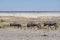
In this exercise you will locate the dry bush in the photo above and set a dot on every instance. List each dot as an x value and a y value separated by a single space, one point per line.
4 24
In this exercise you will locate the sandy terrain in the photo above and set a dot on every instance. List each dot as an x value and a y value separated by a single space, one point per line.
28 34
18 34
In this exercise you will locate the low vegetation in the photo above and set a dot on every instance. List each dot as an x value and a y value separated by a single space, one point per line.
6 20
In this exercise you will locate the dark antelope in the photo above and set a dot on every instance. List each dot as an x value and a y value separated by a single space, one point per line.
50 23
32 24
15 24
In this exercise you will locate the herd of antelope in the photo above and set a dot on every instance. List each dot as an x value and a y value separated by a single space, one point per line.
34 24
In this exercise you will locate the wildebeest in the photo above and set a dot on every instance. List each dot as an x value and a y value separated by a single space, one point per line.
51 23
32 24
15 24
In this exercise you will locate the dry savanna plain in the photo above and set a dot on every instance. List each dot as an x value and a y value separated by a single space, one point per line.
8 32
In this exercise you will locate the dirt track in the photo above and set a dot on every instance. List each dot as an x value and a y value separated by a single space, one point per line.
18 34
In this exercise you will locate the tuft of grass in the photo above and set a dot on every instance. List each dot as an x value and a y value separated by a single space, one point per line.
4 24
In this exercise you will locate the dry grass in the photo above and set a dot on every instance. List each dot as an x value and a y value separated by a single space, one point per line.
23 21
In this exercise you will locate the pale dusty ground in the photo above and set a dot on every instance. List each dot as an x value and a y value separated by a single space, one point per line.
19 34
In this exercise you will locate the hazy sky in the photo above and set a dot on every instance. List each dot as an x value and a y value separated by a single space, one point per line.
29 5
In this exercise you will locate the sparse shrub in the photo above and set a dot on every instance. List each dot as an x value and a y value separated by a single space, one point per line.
4 24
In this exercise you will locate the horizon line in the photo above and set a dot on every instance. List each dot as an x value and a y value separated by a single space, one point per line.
26 11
